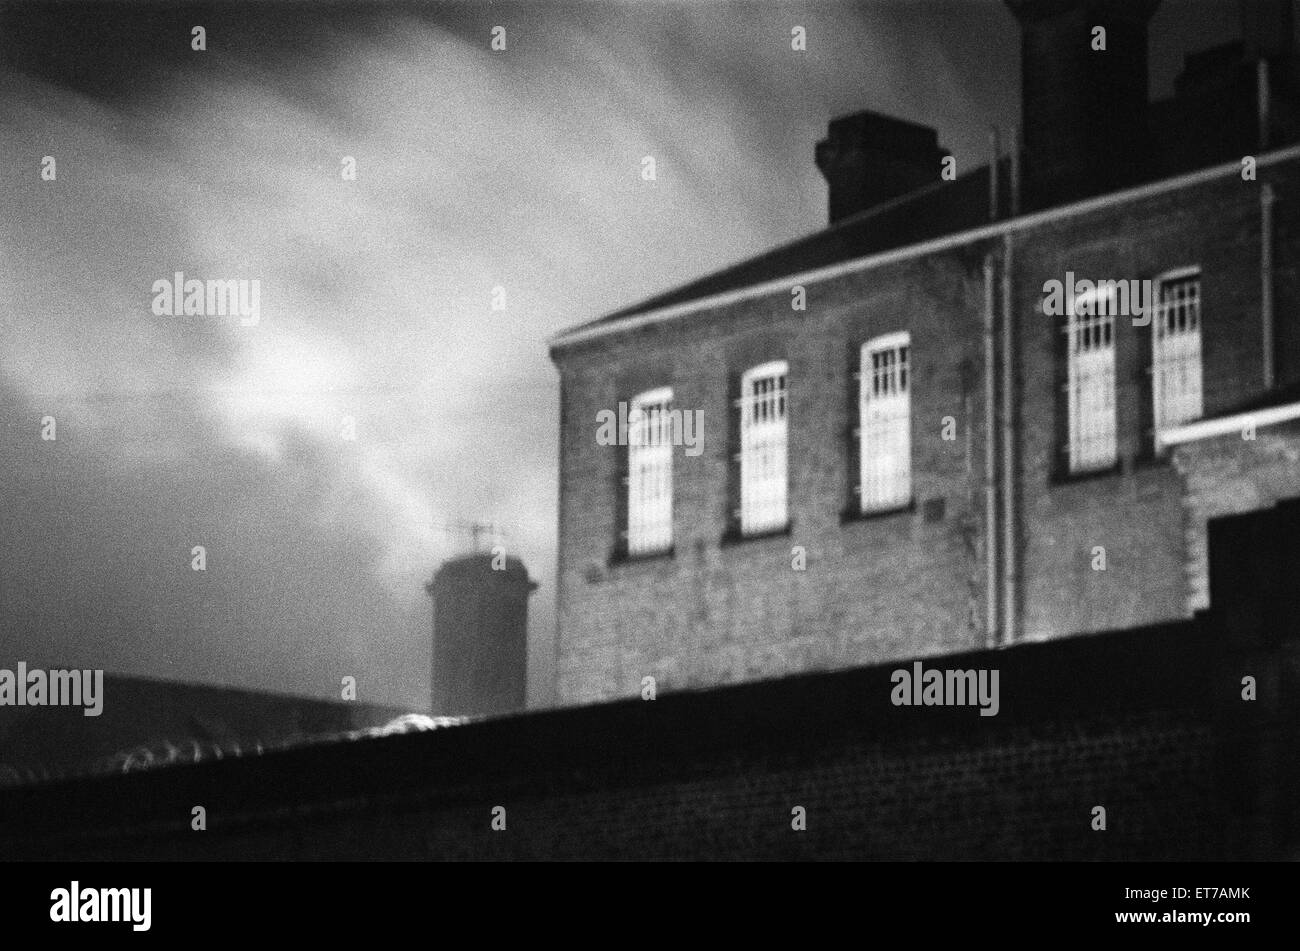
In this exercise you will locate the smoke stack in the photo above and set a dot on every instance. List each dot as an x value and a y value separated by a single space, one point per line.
868 159
480 635
1084 110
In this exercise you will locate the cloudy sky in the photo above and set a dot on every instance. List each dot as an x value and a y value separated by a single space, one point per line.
475 169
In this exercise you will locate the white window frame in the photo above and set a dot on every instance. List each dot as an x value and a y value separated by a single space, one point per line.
650 473
1093 437
764 407
885 423
1177 395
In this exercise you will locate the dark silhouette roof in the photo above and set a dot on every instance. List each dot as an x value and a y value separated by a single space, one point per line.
925 214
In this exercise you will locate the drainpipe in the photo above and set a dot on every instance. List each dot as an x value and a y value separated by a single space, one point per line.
1266 199
1013 147
995 147
969 535
1011 569
1261 101
990 464
1009 618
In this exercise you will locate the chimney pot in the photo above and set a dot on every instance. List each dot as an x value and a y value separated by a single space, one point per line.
869 159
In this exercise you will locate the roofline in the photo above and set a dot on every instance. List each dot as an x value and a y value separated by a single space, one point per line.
594 329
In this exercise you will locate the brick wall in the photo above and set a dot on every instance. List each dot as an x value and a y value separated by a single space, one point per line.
1228 475
1149 724
902 584
718 612
1133 512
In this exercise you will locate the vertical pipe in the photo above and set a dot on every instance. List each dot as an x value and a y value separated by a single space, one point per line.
1266 199
990 463
1262 102
1013 150
1010 566
969 521
995 147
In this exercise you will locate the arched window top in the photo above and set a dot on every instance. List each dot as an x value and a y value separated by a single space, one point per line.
884 370
1178 274
656 397
1094 302
763 393
765 370
889 341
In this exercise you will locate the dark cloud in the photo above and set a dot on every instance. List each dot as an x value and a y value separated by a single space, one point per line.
475 170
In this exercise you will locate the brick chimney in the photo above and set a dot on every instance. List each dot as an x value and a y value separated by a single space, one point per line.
869 158
1084 111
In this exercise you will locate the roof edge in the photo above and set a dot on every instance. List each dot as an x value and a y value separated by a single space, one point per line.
602 327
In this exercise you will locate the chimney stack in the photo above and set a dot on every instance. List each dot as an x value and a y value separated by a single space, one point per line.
869 159
480 635
1084 110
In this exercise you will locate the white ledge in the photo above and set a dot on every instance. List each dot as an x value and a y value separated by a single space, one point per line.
1236 423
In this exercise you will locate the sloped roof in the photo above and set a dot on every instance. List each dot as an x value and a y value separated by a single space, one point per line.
931 212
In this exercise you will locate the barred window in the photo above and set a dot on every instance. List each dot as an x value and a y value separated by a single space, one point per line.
650 473
763 481
885 423
1090 382
1176 350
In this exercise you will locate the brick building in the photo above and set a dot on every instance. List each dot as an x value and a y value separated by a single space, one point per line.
909 447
